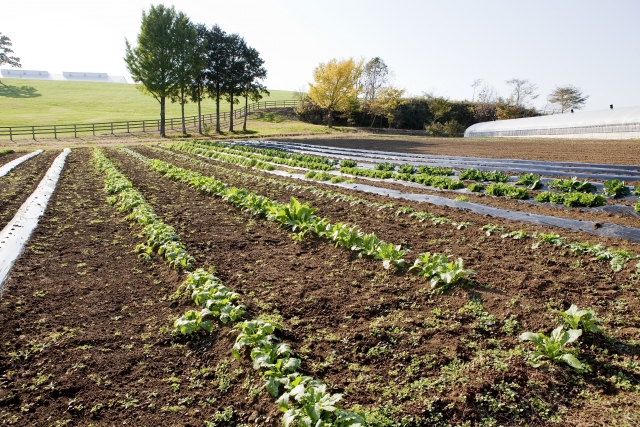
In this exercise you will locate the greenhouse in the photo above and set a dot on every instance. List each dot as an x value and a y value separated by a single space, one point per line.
612 123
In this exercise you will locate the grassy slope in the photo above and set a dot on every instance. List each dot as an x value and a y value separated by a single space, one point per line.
37 102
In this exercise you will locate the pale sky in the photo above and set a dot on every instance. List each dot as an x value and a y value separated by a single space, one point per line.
432 46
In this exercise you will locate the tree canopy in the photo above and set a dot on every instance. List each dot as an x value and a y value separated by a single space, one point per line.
335 84
5 50
567 97
152 62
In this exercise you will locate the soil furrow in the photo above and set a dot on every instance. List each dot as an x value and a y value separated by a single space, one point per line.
17 185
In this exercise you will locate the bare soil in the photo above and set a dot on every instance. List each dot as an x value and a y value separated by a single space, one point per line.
626 152
6 158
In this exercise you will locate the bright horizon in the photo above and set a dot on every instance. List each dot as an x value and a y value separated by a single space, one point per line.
440 47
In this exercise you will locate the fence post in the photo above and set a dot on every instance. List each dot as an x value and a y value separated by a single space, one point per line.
128 127
33 133
10 134
75 131
143 126
171 123
111 128
93 128
55 132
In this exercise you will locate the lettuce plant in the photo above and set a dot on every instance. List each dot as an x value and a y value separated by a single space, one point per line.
516 235
554 347
584 319
439 270
489 229
530 181
572 185
615 188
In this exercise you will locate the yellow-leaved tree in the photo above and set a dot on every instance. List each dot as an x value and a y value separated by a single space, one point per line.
335 85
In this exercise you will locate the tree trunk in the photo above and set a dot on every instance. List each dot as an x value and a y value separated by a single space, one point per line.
199 113
231 112
184 127
373 121
246 112
162 102
330 121
217 108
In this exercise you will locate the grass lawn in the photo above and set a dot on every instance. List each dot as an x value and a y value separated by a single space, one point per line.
274 123
44 102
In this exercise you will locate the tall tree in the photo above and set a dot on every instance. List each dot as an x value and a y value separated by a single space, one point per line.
216 66
253 74
152 62
5 50
236 63
189 60
200 80
335 85
375 75
567 97
523 93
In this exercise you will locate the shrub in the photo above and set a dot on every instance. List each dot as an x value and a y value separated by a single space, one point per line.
453 129
435 129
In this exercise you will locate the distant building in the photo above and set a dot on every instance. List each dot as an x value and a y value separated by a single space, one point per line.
76 76
612 123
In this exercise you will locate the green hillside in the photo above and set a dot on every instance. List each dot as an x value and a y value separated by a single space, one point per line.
44 102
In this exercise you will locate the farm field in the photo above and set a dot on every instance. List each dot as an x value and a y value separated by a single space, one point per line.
43 102
89 309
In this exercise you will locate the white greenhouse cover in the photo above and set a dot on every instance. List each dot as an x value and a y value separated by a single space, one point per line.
609 123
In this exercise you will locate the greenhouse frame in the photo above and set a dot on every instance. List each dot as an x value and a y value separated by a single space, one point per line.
613 123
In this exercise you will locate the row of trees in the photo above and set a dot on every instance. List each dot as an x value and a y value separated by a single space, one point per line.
519 103
362 94
179 60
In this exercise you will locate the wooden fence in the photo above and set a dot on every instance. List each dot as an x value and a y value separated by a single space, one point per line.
135 125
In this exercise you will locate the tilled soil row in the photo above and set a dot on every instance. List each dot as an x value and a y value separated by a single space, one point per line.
17 185
330 320
6 158
86 328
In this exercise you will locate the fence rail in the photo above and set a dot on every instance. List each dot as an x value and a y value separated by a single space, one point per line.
136 125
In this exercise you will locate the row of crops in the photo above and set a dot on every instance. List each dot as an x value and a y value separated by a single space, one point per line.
616 257
568 192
